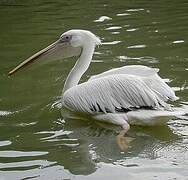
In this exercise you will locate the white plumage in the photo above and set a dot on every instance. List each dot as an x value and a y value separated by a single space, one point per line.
148 75
116 96
122 92
110 93
126 95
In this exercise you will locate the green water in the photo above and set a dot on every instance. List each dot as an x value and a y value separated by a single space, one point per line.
36 142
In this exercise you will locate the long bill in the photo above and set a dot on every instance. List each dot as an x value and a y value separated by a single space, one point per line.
34 57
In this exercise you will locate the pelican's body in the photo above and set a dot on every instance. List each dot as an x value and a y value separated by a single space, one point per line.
130 94
120 97
127 95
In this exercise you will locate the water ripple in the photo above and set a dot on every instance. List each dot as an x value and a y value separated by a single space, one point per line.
135 10
136 46
132 29
28 164
115 32
5 113
5 143
25 124
178 41
123 14
102 19
143 59
21 153
97 61
111 43
113 28
55 134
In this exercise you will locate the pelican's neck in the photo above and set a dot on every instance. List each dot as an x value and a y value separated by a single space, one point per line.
80 67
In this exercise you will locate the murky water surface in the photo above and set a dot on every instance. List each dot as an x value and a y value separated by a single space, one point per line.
36 142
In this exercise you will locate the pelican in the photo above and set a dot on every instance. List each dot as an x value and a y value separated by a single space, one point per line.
133 94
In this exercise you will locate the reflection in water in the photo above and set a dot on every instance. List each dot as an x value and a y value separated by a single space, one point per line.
90 143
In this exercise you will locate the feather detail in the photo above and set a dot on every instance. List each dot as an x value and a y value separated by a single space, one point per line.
108 93
149 76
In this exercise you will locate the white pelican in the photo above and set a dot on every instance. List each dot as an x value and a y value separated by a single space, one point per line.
127 95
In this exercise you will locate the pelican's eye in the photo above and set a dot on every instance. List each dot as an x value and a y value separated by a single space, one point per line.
65 38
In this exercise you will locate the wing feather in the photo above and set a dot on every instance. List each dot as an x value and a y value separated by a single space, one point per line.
138 70
108 93
149 76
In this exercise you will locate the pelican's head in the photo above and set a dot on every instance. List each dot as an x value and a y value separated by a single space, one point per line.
68 45
78 38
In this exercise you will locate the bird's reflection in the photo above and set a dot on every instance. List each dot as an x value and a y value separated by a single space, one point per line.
90 142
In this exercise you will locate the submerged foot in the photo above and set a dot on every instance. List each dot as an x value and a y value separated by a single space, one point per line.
122 140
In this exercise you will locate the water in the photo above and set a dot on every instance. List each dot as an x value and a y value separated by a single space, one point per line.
36 142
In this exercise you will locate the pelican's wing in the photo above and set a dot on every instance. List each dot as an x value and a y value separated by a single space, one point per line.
137 70
157 84
112 93
149 76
